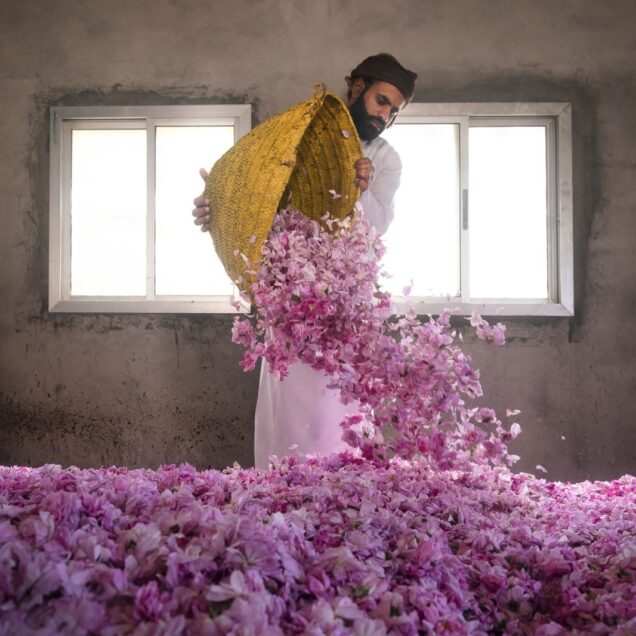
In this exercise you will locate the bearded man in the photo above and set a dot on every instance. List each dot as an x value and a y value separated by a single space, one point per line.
301 414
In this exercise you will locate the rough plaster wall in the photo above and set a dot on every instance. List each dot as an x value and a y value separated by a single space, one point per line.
145 390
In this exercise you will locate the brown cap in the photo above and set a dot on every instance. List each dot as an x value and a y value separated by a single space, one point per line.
385 68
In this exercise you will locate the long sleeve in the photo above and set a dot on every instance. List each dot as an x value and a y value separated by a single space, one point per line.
378 200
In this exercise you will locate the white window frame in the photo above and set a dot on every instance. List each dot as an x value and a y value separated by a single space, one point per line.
65 119
557 117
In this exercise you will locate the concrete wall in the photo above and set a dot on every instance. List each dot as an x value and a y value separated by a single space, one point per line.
145 390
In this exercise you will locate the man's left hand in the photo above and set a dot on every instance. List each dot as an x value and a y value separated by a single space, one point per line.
201 212
364 172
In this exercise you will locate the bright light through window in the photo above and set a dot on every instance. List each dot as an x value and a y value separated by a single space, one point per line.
508 212
186 262
423 240
108 213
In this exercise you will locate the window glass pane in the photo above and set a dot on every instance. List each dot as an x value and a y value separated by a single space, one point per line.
186 263
508 212
423 240
108 213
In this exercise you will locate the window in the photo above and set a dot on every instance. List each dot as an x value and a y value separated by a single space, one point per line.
122 182
483 215
484 211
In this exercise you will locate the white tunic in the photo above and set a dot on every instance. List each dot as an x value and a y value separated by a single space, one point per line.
300 415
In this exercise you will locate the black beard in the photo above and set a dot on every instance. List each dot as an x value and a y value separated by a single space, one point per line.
363 121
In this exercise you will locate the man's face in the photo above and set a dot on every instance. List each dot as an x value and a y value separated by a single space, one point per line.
374 107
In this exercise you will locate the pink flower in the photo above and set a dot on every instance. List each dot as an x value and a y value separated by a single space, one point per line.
235 587
148 603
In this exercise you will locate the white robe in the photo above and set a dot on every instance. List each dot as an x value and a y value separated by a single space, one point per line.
300 415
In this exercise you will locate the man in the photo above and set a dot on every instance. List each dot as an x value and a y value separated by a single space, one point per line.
300 414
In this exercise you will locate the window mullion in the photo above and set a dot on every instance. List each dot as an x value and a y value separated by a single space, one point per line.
552 215
563 194
151 162
65 217
464 203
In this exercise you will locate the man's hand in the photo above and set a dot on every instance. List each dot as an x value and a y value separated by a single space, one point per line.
364 172
201 212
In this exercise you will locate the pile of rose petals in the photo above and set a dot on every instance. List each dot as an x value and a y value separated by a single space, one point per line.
337 545
426 532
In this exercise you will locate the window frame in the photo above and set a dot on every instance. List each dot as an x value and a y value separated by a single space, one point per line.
557 117
65 119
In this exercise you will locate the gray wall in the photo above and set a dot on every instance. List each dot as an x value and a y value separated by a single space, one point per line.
145 390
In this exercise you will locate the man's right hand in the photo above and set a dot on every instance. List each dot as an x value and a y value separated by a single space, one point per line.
201 212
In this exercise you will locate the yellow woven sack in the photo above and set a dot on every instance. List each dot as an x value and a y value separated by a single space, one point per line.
294 158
